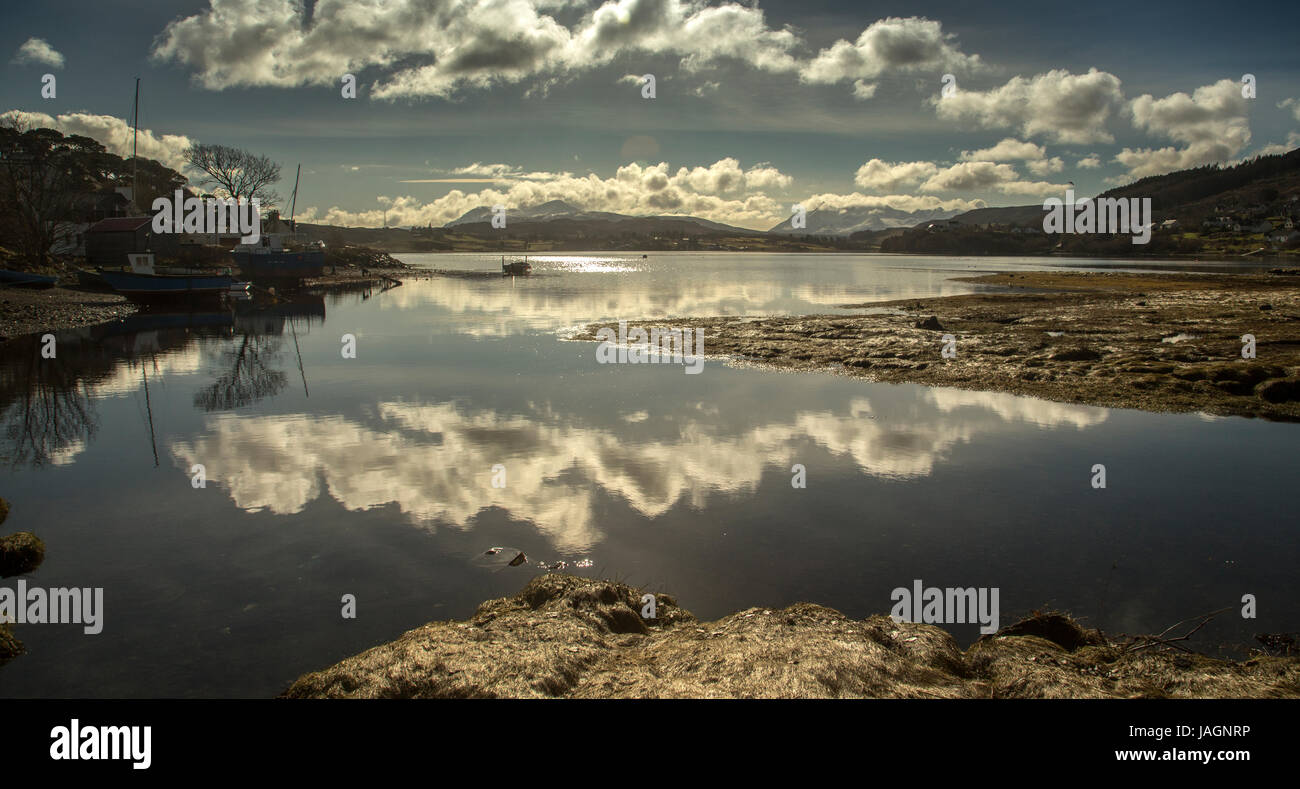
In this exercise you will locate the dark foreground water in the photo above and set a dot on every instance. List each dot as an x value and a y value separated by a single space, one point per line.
373 476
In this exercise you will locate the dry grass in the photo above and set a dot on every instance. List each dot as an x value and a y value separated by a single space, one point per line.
565 636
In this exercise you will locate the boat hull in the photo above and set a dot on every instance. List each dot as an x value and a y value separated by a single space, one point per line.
21 279
280 265
161 286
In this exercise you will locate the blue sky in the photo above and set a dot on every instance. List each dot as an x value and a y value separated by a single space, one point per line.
758 106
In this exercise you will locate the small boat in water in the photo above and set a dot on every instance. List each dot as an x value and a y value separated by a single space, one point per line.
143 284
515 266
22 279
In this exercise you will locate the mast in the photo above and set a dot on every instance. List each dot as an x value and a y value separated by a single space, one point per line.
294 204
135 130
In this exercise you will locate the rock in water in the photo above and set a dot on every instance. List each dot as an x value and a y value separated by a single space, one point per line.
20 553
932 323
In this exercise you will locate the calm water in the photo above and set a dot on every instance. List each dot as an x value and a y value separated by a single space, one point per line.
373 476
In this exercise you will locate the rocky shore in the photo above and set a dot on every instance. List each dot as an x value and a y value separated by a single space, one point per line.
1157 342
25 311
572 637
20 553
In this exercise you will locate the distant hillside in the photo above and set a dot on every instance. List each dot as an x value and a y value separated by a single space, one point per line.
560 211
849 221
554 209
1005 215
1186 195
1251 208
1193 195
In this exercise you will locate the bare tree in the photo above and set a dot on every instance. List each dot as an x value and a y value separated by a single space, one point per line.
237 172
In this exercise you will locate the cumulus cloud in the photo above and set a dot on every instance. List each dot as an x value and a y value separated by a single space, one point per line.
1013 150
465 45
724 192
1212 122
1065 107
429 48
1292 142
986 176
38 50
1090 162
887 177
901 202
113 132
964 176
1292 104
888 45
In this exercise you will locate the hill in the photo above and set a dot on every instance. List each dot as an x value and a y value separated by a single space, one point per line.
850 221
1252 207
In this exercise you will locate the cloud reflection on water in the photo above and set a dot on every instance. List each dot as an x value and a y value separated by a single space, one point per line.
433 460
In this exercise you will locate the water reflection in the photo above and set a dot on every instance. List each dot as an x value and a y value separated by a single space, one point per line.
433 461
568 290
48 405
45 407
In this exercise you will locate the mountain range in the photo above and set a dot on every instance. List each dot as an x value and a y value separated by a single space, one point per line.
821 222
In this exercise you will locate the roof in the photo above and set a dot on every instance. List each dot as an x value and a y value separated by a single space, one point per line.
119 223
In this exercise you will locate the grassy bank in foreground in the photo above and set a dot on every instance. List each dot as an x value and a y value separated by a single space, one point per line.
572 637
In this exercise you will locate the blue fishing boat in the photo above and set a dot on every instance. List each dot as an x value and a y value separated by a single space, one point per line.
22 279
281 256
268 262
156 286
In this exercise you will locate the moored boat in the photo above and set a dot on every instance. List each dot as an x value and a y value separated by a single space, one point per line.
515 266
262 263
143 284
148 286
22 279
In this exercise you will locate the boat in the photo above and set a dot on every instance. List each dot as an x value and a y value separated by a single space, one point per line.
280 257
143 284
91 280
149 286
22 279
272 260
515 266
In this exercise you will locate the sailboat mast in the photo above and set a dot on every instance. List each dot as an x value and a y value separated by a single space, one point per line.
135 129
293 205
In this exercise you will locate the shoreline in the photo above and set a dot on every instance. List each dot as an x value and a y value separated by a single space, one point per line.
26 311
566 636
1157 342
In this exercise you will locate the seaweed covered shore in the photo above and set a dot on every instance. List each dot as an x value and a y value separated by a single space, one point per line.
573 637
1157 342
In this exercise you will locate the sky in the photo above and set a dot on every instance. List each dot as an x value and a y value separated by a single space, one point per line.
757 105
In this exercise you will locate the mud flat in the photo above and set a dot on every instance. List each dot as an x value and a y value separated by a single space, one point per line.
572 637
1157 342
26 311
